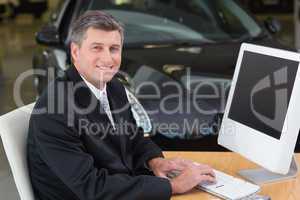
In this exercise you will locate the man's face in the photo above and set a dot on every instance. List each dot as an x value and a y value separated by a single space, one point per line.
98 58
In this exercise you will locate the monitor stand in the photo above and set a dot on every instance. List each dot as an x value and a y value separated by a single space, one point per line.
261 176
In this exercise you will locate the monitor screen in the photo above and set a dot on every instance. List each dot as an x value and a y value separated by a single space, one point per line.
262 93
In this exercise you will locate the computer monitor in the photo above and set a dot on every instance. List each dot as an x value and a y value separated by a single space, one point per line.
261 118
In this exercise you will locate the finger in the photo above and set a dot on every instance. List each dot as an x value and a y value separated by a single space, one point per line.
208 172
204 166
206 178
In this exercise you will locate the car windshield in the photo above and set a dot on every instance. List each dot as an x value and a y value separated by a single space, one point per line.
157 21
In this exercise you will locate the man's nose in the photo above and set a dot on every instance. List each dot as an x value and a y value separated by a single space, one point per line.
106 58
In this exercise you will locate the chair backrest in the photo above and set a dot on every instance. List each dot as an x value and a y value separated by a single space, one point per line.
13 131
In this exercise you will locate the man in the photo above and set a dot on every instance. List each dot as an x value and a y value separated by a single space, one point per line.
87 145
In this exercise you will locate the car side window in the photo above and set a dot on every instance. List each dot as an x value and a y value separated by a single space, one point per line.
74 10
234 20
85 5
66 21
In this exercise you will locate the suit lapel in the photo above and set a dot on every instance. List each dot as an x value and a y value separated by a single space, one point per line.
86 102
84 98
117 104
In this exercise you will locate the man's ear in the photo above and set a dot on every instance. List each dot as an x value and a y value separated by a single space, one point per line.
74 51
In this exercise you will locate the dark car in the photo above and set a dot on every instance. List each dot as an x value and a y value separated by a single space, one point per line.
178 60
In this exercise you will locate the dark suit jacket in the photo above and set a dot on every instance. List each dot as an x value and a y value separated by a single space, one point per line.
74 153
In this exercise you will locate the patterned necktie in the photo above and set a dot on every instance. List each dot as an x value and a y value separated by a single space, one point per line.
105 105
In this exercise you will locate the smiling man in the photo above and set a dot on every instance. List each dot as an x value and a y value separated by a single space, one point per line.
100 159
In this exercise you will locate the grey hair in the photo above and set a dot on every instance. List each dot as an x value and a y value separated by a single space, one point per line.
95 19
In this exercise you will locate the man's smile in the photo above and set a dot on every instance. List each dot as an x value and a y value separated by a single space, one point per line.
104 67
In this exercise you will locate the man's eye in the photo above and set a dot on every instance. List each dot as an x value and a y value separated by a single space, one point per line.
96 48
115 49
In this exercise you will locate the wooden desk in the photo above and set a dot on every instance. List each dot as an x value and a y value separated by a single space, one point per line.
231 163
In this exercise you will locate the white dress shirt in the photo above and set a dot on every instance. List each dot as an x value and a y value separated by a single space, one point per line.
101 95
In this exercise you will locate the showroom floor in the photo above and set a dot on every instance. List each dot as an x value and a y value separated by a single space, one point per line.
17 47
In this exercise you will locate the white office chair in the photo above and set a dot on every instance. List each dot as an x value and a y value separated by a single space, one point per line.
13 131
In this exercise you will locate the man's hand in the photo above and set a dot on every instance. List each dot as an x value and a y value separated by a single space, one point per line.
161 166
191 173
191 176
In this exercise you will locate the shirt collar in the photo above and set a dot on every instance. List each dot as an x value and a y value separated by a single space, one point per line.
97 92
